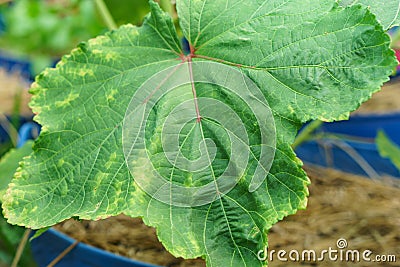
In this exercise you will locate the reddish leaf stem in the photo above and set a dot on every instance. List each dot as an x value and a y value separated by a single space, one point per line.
163 82
189 60
196 103
223 61
63 254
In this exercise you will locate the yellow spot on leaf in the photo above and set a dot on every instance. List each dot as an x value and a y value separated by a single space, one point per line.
100 177
111 160
60 163
134 32
85 72
110 97
111 56
71 97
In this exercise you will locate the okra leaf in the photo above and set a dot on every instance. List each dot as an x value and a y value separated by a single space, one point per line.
387 11
312 59
198 144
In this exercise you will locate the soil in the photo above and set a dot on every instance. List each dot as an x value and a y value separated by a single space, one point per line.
363 211
13 86
385 101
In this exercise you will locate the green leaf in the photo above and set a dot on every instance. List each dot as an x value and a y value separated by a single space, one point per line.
9 164
39 232
300 66
127 108
78 158
387 11
388 149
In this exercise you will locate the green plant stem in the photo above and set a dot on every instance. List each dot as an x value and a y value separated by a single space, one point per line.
306 134
11 131
21 248
15 117
167 6
106 15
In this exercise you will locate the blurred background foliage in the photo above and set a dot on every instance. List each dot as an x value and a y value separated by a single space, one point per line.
128 11
10 237
42 30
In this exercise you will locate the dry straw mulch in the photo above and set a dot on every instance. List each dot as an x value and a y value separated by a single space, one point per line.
385 101
13 88
364 212
125 236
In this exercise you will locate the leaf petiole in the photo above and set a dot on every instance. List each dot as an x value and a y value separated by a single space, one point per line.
106 15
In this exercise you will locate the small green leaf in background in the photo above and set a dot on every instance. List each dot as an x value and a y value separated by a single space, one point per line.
388 149
386 11
39 232
9 164
11 235
311 59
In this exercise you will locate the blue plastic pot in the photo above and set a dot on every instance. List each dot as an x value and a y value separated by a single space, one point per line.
356 147
366 126
49 245
28 131
12 64
22 121
21 65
